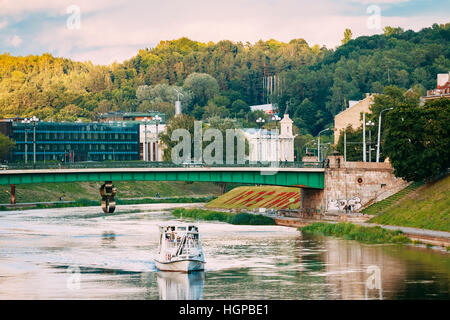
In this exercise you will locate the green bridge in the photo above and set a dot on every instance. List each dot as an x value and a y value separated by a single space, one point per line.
305 177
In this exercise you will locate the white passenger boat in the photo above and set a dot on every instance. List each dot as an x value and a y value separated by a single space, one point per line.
180 248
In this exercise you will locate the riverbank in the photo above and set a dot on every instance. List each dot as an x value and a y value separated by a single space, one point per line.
93 203
350 231
126 190
416 235
232 218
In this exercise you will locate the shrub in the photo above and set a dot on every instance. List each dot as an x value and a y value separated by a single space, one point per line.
236 219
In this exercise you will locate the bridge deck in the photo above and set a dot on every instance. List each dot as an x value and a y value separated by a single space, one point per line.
306 177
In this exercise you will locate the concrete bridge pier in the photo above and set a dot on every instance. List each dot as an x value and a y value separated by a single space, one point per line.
108 191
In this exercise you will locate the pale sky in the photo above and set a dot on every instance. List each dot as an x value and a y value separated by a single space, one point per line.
104 31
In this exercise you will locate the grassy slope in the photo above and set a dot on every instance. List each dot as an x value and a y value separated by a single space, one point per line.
90 190
262 201
427 207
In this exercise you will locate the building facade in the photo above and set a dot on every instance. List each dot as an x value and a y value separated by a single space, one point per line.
352 115
150 147
70 142
271 146
442 88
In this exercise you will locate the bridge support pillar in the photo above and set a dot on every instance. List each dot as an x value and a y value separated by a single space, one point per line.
13 194
223 187
108 191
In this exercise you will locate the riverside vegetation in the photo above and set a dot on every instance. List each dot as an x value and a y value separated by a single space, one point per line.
349 231
232 218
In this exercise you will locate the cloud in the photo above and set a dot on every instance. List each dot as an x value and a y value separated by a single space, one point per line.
369 2
14 41
52 7
114 30
3 24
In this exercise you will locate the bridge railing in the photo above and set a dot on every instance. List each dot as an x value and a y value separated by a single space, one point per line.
151 164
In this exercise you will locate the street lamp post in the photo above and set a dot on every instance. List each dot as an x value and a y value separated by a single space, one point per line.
318 143
25 123
369 124
34 120
260 122
306 146
157 119
379 133
144 149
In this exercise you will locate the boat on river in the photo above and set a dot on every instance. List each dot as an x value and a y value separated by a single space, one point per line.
180 248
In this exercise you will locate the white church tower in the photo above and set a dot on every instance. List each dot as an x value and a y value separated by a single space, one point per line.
286 139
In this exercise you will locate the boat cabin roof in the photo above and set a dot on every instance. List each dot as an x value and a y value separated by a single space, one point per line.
181 227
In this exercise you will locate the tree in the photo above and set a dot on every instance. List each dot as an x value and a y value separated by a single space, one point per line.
162 97
388 31
417 139
179 122
347 36
203 86
354 150
239 107
6 144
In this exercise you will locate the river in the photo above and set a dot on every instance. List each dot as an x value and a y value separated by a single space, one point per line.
77 253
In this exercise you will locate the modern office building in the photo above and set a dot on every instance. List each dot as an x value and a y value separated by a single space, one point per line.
72 141
152 124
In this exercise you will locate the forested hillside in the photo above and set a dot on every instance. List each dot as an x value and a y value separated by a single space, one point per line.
224 78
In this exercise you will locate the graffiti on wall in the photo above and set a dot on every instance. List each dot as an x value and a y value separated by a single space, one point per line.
339 204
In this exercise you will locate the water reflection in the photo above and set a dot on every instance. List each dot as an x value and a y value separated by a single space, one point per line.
108 238
180 286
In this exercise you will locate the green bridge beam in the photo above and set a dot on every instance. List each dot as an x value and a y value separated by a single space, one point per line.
306 177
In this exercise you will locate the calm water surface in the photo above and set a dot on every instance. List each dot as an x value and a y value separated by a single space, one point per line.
76 253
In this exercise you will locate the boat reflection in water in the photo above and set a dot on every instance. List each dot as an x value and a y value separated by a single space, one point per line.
180 286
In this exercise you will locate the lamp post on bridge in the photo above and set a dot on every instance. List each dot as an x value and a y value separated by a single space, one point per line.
318 143
369 124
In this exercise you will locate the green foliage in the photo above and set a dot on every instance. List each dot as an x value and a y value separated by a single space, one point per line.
181 122
239 107
237 219
417 139
203 86
347 36
351 231
6 144
389 31
354 150
209 73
